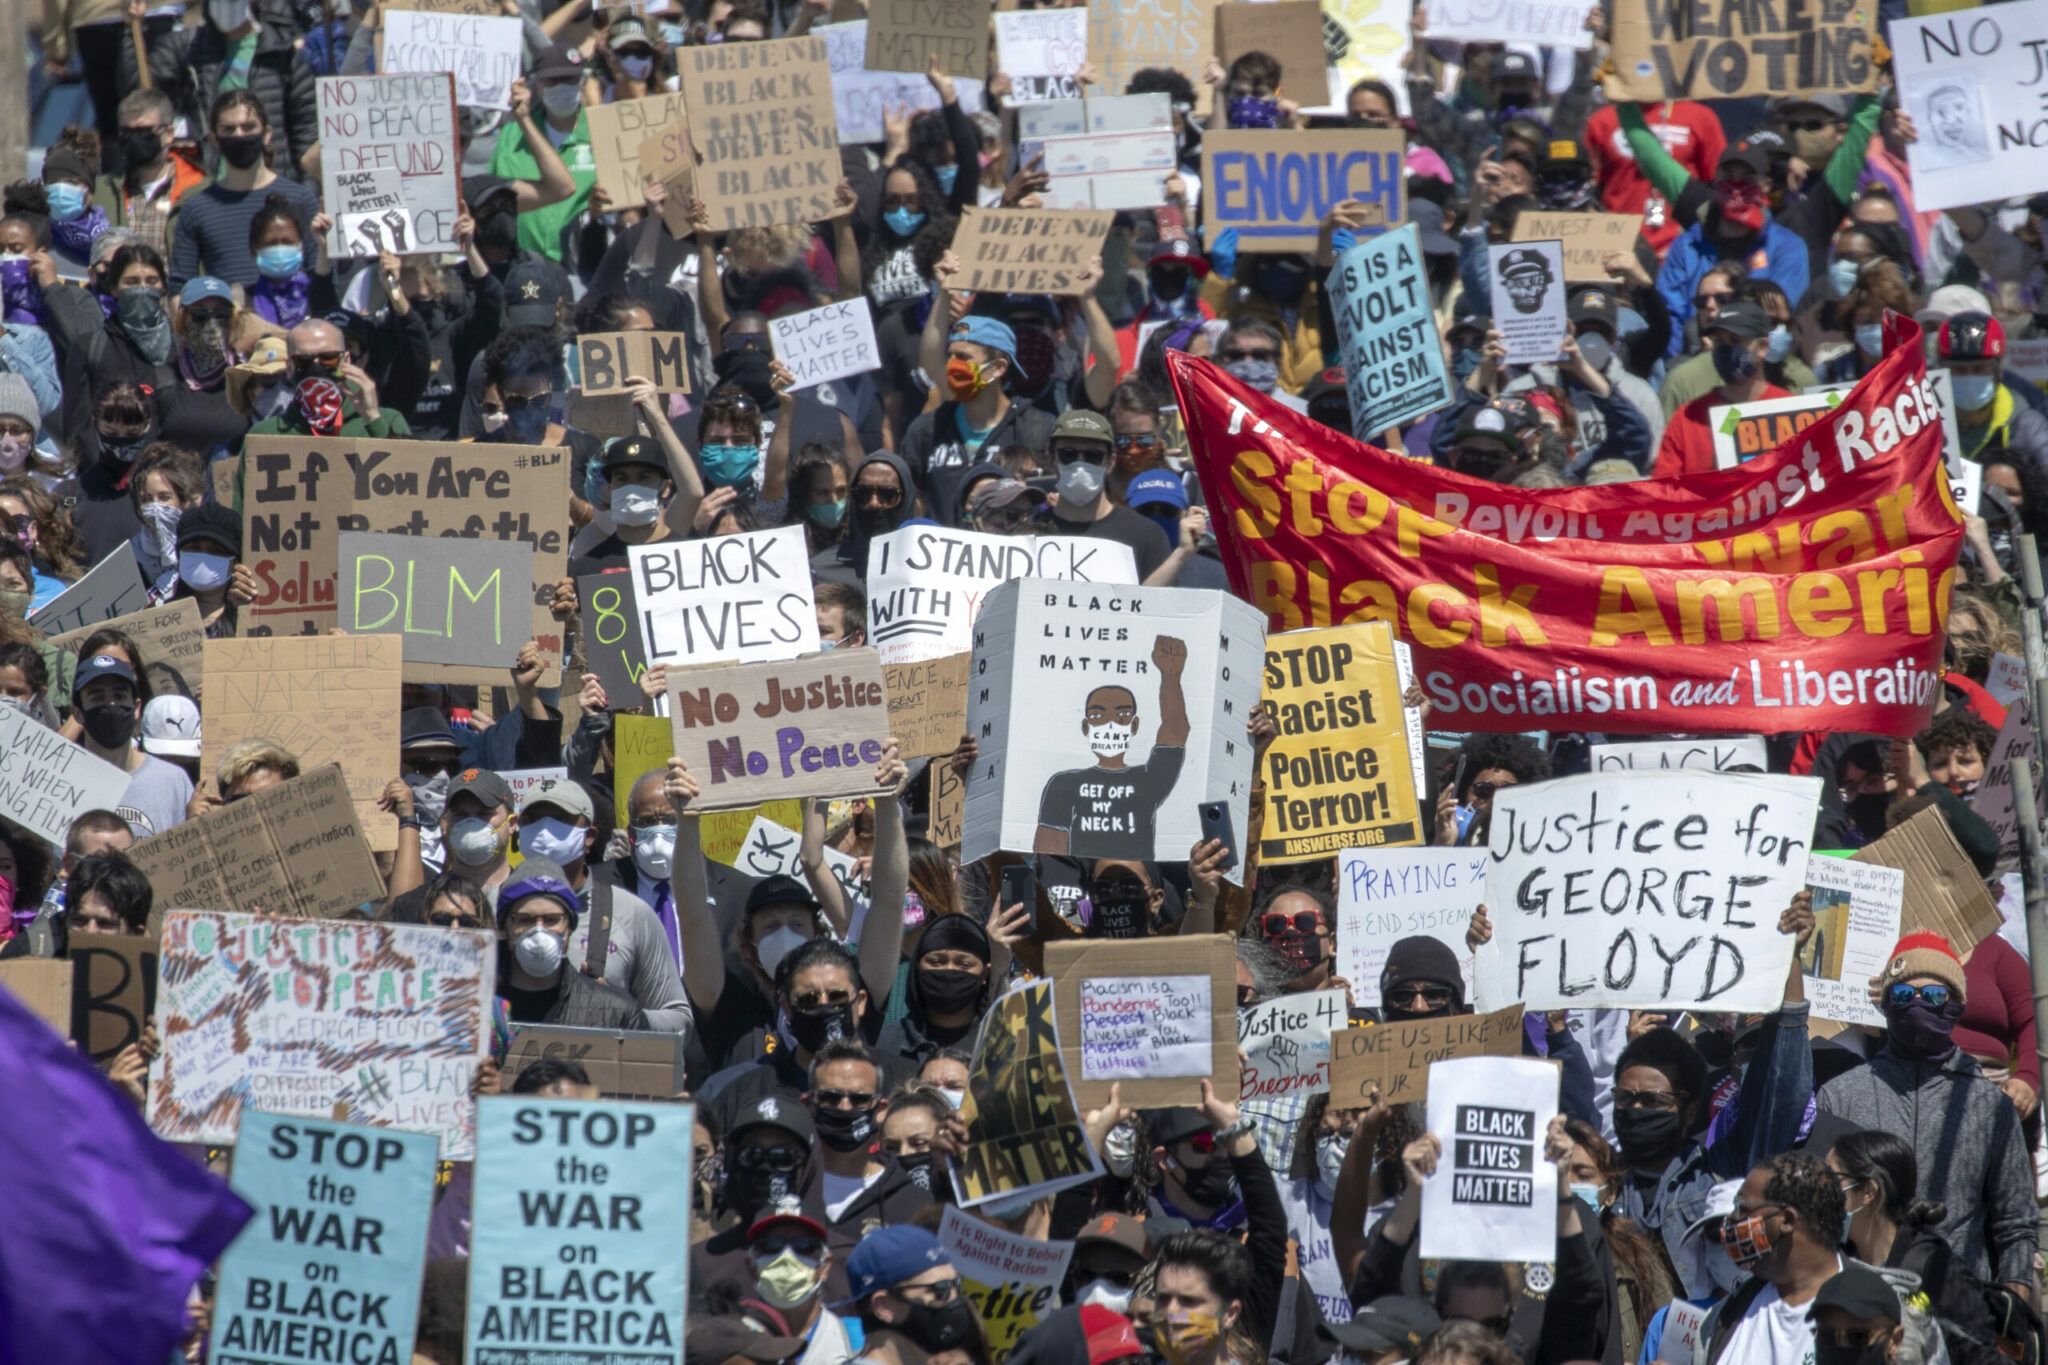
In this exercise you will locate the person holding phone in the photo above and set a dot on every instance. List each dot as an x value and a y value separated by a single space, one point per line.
1485 764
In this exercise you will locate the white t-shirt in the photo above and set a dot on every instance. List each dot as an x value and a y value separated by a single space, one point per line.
1773 1332
842 1190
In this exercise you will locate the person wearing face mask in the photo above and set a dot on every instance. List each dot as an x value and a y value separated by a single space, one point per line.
861 1183
1734 224
331 395
914 1118
1878 289
196 411
912 1303
477 828
791 1259
732 441
1595 313
34 521
103 697
978 416
1976 1164
819 998
545 168
75 220
1082 446
1739 339
213 221
1988 411
127 344
1159 496
537 913
210 571
292 281
153 175
948 987
1786 1232
1172 290
1388 1331
1314 1163
771 1168
641 476
945 143
122 425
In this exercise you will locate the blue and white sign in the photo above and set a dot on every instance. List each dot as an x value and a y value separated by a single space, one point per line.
1393 360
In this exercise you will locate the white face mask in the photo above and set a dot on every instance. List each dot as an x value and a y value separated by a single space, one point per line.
538 952
556 840
495 421
228 15
1104 1295
654 851
203 572
473 841
1330 1150
1111 738
635 506
956 1098
561 100
1081 481
778 945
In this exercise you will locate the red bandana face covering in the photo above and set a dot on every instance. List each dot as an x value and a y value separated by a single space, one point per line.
320 401
1742 203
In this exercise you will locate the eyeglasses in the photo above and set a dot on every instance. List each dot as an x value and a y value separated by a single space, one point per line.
1900 994
1483 791
845 1099
1236 354
1432 997
1663 1100
1304 922
202 313
873 495
769 1245
443 919
941 1292
307 364
1119 1279
1078 455
518 402
1144 442
746 341
1703 300
769 1158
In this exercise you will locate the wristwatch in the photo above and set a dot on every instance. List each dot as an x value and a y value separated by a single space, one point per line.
409 822
1232 1132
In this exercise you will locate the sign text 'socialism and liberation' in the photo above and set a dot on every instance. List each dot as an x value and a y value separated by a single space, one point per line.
1806 589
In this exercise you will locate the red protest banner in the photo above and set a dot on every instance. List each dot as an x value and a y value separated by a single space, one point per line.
1805 589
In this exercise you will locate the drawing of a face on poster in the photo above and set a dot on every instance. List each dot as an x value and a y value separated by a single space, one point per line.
1526 277
1951 122
1109 808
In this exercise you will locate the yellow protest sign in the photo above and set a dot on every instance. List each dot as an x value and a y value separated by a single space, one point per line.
642 744
1024 1133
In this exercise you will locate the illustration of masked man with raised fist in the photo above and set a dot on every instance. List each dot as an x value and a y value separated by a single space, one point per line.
1110 809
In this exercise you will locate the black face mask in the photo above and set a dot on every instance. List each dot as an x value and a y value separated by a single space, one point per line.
747 1190
141 149
1210 1186
1917 1031
844 1130
880 521
1868 813
948 990
748 369
111 725
1283 284
499 231
1735 363
241 152
918 1166
812 1029
1169 283
1649 1135
1873 1353
1116 913
938 1329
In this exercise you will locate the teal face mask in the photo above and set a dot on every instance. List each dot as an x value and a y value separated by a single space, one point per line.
729 466
827 513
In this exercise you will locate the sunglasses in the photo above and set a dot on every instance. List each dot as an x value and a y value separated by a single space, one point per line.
1702 300
421 767
1144 442
1483 791
1900 995
769 1245
442 919
519 402
1808 125
1303 922
811 1000
869 496
769 1158
1432 997
846 1099
308 364
746 341
1078 455
1646 1099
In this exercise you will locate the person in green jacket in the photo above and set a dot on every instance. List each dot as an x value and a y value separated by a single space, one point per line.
522 154
331 396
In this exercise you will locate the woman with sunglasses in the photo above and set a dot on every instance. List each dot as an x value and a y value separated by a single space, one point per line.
1974 1155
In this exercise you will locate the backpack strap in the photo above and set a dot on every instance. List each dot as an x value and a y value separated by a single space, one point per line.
599 945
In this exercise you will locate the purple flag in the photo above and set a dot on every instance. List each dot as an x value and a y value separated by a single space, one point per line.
106 1226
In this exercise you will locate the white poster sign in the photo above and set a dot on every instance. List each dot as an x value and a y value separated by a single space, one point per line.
860 97
1856 919
1138 1026
482 51
1972 82
743 598
46 781
770 850
1546 23
1493 1197
1650 889
926 584
1106 716
1528 299
1994 794
1713 753
1042 51
1286 1044
1388 894
1682 1324
823 344
2007 679
399 126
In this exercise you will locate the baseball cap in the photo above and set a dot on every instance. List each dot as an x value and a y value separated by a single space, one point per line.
560 59
1611 470
625 451
424 725
990 494
100 666
563 794
1720 1203
1968 336
1563 152
1117 1230
1860 1292
1513 63
1594 303
627 28
772 1111
1182 250
485 785
1327 384
532 290
888 1256
170 726
478 189
993 333
1501 419
780 889
1168 1126
1079 424
1393 1323
539 877
1109 1333
1156 485
716 1340
204 287
1428 217
788 1214
1744 320
1833 105
1951 299
1748 154
210 522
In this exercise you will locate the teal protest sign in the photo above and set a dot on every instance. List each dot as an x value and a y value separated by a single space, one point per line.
1393 362
329 1268
580 1239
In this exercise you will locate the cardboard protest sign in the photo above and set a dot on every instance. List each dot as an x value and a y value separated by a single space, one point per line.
1126 36
1944 893
1743 431
762 120
1288 31
296 1016
640 744
1393 358
1724 49
606 360
301 492
1546 23
448 600
1994 801
1856 919
1387 894
1286 1044
948 808
611 635
1154 1014
1971 83
622 1064
1587 238
113 991
1528 281
1014 1282
860 96
1028 251
669 159
570 1195
928 704
833 342
773 846
1396 1057
2007 679
905 35
815 726
1342 773
1711 753
113 587
619 130
1041 51
1651 889
337 1246
1024 1133
293 850
169 635
1369 40
1106 716
46 781
325 699
735 598
1493 1196
483 52
43 986
1274 187
926 584
388 162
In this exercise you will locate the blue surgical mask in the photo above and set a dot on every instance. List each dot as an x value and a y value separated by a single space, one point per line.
527 424
729 466
280 262
1842 275
902 221
1780 340
1974 392
946 176
1464 361
827 513
1870 338
67 200
673 35
1588 1194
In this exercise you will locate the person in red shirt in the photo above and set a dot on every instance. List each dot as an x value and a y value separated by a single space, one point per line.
1689 131
1739 337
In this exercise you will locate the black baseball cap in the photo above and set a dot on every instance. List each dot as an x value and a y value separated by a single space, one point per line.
1393 1323
780 889
636 451
485 785
1745 320
1860 1292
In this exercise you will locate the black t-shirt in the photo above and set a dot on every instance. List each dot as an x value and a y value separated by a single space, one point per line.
1147 541
199 419
897 338
610 554
743 1009
1111 812
529 1007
